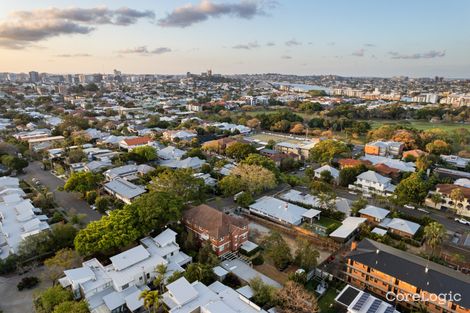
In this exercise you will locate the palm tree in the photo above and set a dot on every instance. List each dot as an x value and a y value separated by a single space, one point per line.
159 280
434 234
436 198
457 196
151 300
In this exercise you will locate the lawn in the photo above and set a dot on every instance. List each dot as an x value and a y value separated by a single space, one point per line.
327 301
420 125
328 222
276 138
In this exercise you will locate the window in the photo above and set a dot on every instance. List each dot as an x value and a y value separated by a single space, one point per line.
125 286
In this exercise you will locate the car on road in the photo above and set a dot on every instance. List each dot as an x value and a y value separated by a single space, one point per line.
462 221
423 210
352 192
93 207
409 206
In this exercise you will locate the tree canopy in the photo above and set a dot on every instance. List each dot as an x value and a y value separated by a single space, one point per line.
325 151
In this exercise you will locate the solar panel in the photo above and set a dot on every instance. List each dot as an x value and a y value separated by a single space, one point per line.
362 299
375 305
389 309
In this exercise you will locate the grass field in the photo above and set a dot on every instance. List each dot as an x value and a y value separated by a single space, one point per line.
277 138
421 125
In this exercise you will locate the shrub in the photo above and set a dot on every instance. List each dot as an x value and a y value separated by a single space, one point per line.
27 283
259 260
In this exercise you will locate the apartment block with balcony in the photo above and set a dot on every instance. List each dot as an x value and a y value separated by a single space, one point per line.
384 270
458 201
384 148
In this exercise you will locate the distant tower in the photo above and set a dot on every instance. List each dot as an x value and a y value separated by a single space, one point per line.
209 73
33 77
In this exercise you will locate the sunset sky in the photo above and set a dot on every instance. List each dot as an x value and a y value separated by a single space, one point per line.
344 37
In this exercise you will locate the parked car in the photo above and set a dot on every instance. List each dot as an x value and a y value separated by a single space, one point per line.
409 206
423 210
462 221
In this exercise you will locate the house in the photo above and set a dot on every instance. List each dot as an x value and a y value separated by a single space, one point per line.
184 297
456 161
384 148
371 182
382 269
116 287
179 135
226 233
194 163
232 128
282 212
128 172
348 229
399 165
446 191
123 190
400 227
18 219
414 154
218 145
131 143
358 301
373 214
170 153
334 172
301 150
348 163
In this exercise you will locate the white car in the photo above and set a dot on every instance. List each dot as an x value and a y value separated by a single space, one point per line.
423 210
408 206
352 192
462 221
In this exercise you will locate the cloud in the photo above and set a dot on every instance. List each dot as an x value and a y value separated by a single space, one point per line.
190 14
23 28
74 55
425 55
293 42
358 53
143 50
270 44
247 46
369 45
286 57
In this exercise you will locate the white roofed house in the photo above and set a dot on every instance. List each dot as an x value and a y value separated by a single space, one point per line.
400 227
374 214
124 190
116 287
372 182
193 163
128 172
334 172
170 153
179 135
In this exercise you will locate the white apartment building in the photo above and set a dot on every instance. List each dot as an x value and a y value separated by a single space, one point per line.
116 287
18 219
371 182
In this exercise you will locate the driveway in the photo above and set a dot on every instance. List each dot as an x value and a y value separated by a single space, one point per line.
70 202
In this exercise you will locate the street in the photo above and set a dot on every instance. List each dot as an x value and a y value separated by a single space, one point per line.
70 202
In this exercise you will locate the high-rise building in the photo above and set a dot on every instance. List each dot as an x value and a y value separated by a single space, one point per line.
33 77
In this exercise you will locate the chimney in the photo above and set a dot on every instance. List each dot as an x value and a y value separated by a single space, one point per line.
353 245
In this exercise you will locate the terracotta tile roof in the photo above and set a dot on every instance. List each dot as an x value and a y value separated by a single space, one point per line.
137 141
352 162
415 153
215 222
447 189
384 169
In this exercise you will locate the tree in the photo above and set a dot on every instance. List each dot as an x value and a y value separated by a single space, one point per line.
348 175
358 205
412 189
75 156
200 272
72 307
438 147
253 123
83 182
239 150
144 153
206 255
434 235
250 178
326 177
297 129
102 203
151 300
436 198
424 162
159 280
277 249
327 200
14 163
325 151
64 259
306 255
457 197
293 298
50 298
263 294
195 152
179 183
244 199
318 186
261 160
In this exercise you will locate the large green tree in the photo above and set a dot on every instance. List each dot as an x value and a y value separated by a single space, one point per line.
277 249
434 235
306 255
239 150
179 183
50 298
83 182
413 189
250 178
325 151
143 153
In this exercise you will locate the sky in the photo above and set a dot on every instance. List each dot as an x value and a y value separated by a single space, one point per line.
416 38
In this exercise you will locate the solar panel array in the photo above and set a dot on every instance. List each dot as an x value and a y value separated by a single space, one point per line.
389 309
361 301
375 305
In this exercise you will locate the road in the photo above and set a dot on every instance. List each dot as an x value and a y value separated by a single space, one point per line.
70 202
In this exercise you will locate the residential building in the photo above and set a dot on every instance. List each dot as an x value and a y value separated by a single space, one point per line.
374 215
396 164
371 182
179 135
347 163
383 269
170 153
348 229
128 172
194 163
132 143
334 172
301 150
460 206
400 227
282 212
184 297
117 287
226 233
456 160
384 148
18 219
415 153
123 190
358 301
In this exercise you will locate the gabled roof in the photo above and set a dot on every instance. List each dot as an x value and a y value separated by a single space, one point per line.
374 211
410 268
403 226
182 291
374 177
137 141
215 222
447 189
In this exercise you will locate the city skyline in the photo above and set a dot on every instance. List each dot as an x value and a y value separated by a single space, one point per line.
364 38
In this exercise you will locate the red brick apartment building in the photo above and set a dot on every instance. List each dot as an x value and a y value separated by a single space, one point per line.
382 270
226 233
